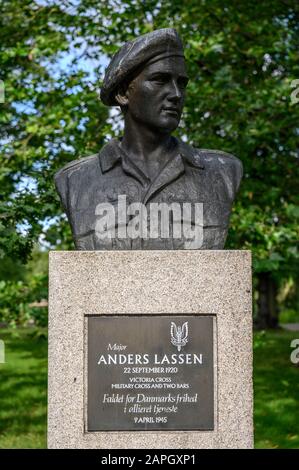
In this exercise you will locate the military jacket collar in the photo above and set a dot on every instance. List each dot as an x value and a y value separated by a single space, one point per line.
113 154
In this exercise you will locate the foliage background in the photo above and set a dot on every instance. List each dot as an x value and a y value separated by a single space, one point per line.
242 58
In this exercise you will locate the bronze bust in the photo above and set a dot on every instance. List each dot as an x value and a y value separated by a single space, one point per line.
149 190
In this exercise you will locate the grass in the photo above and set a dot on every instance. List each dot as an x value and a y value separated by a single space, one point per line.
289 316
23 390
276 391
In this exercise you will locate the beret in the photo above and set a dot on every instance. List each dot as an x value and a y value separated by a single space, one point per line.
155 45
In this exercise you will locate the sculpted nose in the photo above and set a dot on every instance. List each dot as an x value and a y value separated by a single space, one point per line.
175 93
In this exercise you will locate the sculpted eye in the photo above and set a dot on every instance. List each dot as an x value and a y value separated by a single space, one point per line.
183 82
159 78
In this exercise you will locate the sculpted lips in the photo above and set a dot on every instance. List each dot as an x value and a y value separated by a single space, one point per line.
171 110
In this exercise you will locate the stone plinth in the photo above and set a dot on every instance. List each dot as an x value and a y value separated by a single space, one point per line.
214 283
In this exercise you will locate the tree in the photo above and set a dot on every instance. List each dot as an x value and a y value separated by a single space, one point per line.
242 58
49 117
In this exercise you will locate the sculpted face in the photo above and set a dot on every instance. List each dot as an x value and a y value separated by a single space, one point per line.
155 98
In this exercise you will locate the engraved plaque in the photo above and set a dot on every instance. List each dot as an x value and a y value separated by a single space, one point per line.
150 372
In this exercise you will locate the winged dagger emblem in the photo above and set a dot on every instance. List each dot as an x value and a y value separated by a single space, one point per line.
179 335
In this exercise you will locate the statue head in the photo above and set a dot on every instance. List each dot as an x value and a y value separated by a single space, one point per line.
147 79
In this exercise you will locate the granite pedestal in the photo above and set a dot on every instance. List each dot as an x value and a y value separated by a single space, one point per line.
213 286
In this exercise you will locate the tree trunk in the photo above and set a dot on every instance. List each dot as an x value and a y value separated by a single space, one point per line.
267 315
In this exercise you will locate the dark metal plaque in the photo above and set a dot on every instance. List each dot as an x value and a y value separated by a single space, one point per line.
150 372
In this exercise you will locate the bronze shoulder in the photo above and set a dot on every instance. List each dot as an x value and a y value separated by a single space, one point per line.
228 167
208 153
75 164
61 176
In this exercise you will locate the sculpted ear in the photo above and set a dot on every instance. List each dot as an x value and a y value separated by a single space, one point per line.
121 99
121 95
